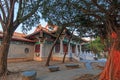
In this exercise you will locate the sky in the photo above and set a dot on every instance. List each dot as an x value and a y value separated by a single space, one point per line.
43 23
19 29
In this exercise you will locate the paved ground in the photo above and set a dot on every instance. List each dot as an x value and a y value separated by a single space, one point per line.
68 74
44 74
89 62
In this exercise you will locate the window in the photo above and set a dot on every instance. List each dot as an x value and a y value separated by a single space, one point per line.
26 50
37 48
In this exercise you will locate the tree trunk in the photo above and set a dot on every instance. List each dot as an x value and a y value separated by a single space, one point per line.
50 54
4 48
67 45
64 56
112 67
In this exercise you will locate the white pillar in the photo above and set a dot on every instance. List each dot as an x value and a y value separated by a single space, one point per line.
41 50
69 51
80 46
76 50
61 46
42 41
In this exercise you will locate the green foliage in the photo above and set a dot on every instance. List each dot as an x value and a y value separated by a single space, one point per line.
31 6
96 46
87 15
67 13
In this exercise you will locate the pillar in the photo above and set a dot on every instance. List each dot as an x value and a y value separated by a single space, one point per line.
69 51
41 50
61 46
80 46
42 40
76 50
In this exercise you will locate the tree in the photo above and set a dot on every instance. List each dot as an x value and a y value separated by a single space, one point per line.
96 46
108 13
68 44
98 14
56 12
12 14
50 53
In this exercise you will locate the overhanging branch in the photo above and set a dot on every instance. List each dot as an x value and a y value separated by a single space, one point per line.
19 10
31 13
99 7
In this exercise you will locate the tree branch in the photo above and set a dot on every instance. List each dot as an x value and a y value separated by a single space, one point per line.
114 7
31 13
99 7
94 15
3 11
11 14
2 22
83 9
19 10
7 6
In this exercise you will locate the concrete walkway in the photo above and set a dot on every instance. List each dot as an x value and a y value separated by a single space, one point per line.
67 74
88 63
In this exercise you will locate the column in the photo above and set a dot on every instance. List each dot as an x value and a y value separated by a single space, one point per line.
69 51
42 40
80 46
76 50
41 50
80 52
61 46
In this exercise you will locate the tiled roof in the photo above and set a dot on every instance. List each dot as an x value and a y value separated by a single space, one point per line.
22 37
18 37
19 34
41 29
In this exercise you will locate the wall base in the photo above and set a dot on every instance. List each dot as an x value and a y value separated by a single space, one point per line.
19 59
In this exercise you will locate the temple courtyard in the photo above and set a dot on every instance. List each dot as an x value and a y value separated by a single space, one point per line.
64 73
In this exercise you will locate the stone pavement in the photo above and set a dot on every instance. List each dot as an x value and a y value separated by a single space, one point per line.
67 74
44 74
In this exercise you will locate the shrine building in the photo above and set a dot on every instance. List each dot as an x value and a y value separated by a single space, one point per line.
36 46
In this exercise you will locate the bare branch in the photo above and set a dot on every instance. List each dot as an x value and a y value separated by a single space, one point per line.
2 22
7 6
3 11
11 13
